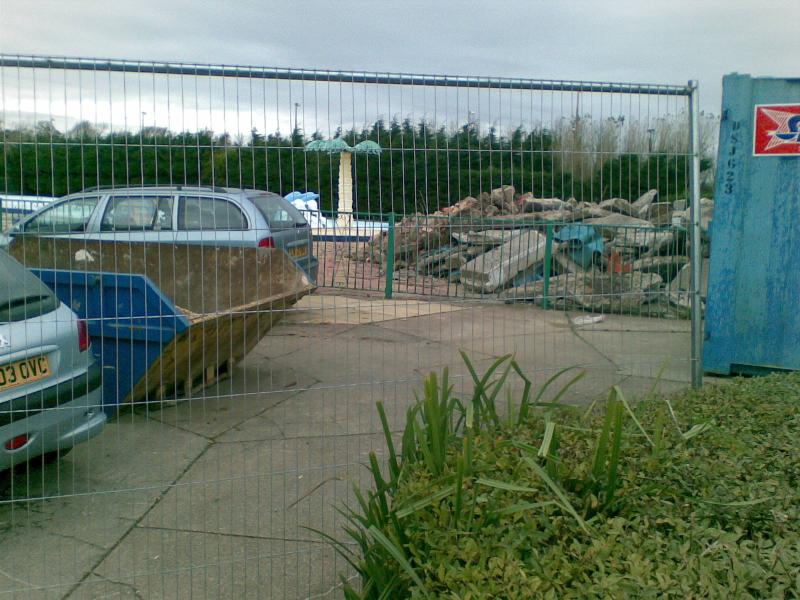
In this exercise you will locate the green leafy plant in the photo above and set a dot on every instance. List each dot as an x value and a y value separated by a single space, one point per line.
668 497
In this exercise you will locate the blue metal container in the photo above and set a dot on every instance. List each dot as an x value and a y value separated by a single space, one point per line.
129 320
166 320
753 312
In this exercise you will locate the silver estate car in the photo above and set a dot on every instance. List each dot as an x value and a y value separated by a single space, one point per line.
50 386
183 215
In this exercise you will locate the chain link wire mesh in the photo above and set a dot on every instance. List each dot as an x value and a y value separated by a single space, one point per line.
242 340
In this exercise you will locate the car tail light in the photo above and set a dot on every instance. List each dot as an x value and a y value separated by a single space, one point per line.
83 335
267 242
17 442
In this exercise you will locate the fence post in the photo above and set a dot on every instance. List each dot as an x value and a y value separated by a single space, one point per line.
548 257
695 256
390 257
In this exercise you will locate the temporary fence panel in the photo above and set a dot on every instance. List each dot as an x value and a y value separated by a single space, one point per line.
244 339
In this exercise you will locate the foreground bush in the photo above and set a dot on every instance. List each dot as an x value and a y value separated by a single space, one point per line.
694 496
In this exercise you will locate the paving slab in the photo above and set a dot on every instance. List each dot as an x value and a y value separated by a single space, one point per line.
57 522
644 354
254 386
272 488
158 563
328 411
350 359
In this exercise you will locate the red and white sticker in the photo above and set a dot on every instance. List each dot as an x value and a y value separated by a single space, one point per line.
777 130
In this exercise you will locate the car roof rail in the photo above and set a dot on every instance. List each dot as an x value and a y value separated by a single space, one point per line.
202 188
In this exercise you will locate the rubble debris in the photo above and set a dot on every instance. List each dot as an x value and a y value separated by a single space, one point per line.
592 211
618 205
683 280
611 256
563 263
666 266
658 213
706 215
486 237
641 204
611 224
588 320
529 204
603 293
680 205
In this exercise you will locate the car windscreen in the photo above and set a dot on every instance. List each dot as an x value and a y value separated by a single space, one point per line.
278 212
22 294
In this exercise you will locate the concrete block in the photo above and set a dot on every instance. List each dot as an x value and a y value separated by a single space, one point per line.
492 270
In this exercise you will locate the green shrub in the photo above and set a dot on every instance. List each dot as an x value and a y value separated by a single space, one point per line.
693 496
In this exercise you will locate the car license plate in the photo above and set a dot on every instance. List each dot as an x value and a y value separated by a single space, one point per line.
24 371
298 251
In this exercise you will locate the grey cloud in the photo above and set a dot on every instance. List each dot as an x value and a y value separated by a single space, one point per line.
665 42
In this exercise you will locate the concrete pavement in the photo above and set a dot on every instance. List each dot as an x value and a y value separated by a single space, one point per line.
219 496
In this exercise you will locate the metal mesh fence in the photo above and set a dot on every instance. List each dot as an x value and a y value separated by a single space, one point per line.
245 260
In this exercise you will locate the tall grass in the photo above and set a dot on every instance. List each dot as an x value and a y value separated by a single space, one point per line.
584 145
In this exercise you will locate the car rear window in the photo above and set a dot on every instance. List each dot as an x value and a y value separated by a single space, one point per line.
198 214
279 213
22 294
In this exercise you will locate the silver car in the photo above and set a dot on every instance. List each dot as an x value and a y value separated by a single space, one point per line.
50 386
180 214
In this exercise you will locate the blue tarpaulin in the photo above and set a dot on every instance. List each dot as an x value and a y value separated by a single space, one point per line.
584 241
305 196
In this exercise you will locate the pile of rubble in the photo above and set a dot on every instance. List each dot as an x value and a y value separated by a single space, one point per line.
613 256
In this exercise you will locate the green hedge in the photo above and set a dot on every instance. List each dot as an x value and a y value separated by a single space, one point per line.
693 496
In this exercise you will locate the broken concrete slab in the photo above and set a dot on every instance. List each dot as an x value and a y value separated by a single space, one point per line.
618 205
666 266
434 257
684 218
641 239
596 292
529 204
666 242
658 213
464 207
612 223
454 262
592 211
503 196
683 280
492 270
645 200
486 237
562 216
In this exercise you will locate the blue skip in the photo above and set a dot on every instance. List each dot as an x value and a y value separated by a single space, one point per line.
166 319
753 318
129 320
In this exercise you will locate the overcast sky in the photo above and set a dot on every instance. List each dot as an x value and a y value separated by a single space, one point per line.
631 40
